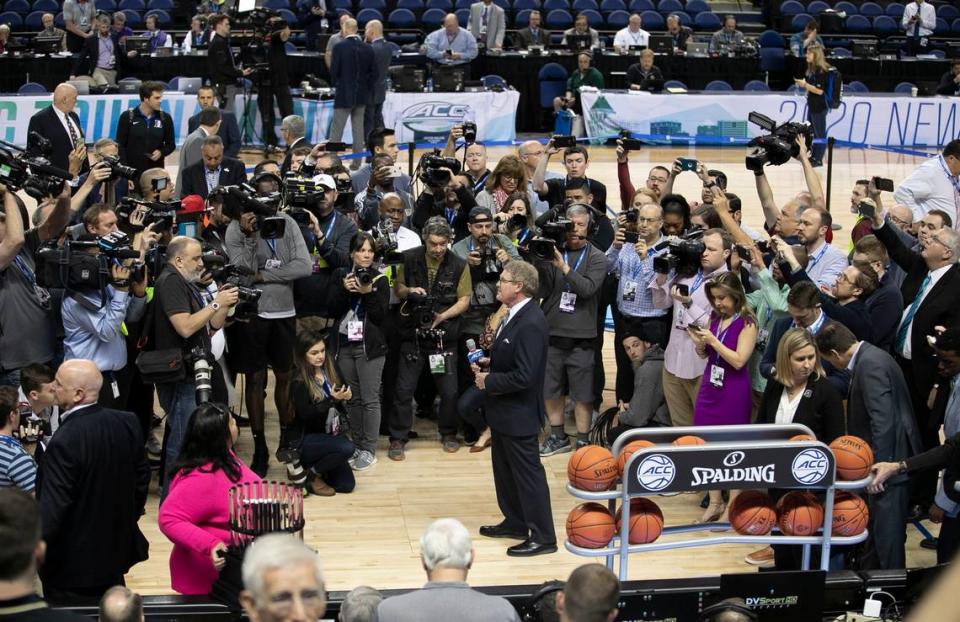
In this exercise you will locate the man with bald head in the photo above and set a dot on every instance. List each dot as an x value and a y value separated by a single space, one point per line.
352 71
92 489
451 45
383 52
60 125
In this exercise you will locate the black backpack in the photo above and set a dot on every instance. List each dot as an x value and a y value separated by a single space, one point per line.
832 88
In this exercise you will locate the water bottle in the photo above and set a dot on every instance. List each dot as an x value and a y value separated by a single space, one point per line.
389 83
430 84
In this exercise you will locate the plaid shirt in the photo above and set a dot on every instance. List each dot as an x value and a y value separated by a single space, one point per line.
627 265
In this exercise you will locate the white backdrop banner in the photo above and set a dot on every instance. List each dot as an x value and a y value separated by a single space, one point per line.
418 117
891 120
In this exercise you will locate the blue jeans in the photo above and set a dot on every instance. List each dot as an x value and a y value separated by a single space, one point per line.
178 401
326 455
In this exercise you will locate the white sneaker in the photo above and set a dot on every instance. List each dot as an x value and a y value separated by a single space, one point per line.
364 461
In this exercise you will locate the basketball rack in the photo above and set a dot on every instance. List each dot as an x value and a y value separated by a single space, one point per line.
735 457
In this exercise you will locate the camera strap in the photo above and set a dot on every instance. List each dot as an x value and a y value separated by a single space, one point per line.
697 282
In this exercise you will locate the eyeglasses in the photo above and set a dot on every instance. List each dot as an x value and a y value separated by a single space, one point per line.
282 602
503 280
934 238
662 180
647 221
899 222
843 277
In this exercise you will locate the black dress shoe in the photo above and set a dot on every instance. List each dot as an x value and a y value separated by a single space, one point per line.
500 531
529 548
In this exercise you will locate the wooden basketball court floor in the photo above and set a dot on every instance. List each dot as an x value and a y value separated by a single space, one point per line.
371 536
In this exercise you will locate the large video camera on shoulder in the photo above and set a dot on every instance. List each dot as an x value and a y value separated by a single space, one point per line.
779 145
430 169
683 253
29 169
551 234
161 214
85 265
228 274
242 199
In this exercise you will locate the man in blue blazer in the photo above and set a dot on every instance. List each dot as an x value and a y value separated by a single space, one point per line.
352 72
383 52
513 401
229 131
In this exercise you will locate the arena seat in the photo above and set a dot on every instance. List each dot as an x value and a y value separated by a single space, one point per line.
946 11
585 5
343 4
163 18
756 85
669 6
521 19
790 8
904 87
553 83
290 47
858 24
684 17
674 84
367 15
447 5
34 21
771 39
955 27
11 19
938 53
593 18
871 9
942 29
558 19
618 20
105 5
707 21
856 87
553 5
793 89
841 53
32 88
16 6
639 6
653 21
411 5
132 5
463 17
609 6
492 81
816 6
165 5
462 4
401 18
772 59
800 21
276 4
847 7
895 10
49 6
718 85
884 26
697 6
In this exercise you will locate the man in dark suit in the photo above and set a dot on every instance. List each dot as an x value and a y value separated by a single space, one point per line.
274 84
533 34
383 52
92 490
60 125
293 130
879 412
215 170
351 71
100 57
223 71
513 398
229 131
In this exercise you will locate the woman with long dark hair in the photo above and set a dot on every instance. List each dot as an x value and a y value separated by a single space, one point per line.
194 514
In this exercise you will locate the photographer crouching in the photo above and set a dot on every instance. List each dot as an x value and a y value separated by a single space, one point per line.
435 286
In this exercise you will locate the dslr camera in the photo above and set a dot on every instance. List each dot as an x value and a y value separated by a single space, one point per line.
228 274
430 169
469 132
29 169
242 199
386 241
778 145
683 253
161 214
118 170
365 276
490 267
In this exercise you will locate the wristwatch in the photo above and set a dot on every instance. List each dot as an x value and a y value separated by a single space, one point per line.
901 467
215 306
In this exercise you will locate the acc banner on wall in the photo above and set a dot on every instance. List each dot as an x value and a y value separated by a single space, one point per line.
893 120
419 117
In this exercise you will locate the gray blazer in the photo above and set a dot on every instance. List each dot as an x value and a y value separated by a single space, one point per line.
190 153
496 24
444 601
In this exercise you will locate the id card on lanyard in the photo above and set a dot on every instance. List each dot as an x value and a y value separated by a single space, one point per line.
568 299
717 372
43 296
319 262
274 262
355 326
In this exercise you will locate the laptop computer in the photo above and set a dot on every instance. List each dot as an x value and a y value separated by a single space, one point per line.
141 45
578 43
190 86
82 86
787 596
697 49
661 44
129 85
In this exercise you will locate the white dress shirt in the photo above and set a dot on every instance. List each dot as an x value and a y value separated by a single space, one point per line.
787 408
67 122
825 264
930 187
928 19
935 276
625 38
514 310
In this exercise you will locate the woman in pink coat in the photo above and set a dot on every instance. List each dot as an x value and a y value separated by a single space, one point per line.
194 515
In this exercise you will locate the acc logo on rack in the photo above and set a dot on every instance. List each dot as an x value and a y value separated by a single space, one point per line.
433 117
656 472
810 466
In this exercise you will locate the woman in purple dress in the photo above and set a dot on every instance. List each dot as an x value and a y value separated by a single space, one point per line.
725 396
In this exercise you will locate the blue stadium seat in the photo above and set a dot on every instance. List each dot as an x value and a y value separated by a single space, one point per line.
366 15
343 4
463 17
856 87
816 6
593 18
585 5
718 85
938 53
503 4
433 18
609 6
618 20
380 5
943 28
132 5
290 17
290 47
871 9
105 5
669 6
167 5
847 7
653 21
163 18
841 53
522 18
884 26
558 19
697 6
462 4
800 21
276 4
410 5
11 19
771 39
401 18
49 6
707 21
756 85
947 12
639 6
791 7
32 88
858 24
553 83
895 10
34 21
955 26
553 5
904 87
493 80
772 59
684 17
444 5
674 84
58 20
793 89
16 6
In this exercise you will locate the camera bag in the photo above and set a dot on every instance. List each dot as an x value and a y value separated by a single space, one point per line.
158 366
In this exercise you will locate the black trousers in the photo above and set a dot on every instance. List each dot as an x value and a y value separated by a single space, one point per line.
949 539
265 96
412 362
923 484
522 491
56 595
372 119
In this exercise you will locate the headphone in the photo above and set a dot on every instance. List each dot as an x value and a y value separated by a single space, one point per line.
725 606
592 223
531 609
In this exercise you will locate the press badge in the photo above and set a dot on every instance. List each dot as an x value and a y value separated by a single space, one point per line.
716 376
355 330
115 388
762 335
272 264
158 123
568 300
438 364
629 291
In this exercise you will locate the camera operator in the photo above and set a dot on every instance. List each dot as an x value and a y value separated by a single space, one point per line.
107 189
433 283
269 337
145 133
381 141
474 157
17 445
451 201
25 307
181 321
314 17
576 161
570 286
214 233
274 83
367 201
657 178
223 71
783 221
155 185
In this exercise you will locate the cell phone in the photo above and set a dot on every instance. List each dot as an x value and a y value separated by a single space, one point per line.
631 144
743 252
448 52
395 171
562 142
688 164
159 183
683 289
333 147
867 209
883 184
631 237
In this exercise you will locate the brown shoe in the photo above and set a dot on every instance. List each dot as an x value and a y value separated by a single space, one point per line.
762 558
396 451
319 487
481 444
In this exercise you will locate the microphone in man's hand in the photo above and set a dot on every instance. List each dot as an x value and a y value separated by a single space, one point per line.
474 354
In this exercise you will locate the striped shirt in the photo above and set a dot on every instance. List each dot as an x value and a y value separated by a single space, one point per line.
634 298
17 467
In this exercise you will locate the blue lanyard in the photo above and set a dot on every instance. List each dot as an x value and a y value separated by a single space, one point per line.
451 214
953 180
650 255
721 335
814 260
329 230
273 247
25 270
576 265
325 387
524 234
697 282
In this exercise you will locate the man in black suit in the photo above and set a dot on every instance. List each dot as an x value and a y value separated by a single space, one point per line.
60 125
229 131
92 490
382 55
223 71
351 71
879 412
293 130
215 170
145 133
533 34
513 401
274 84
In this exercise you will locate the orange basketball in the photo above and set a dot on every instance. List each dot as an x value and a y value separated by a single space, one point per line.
689 440
854 457
646 521
592 468
752 513
800 514
802 437
590 525
628 451
850 514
